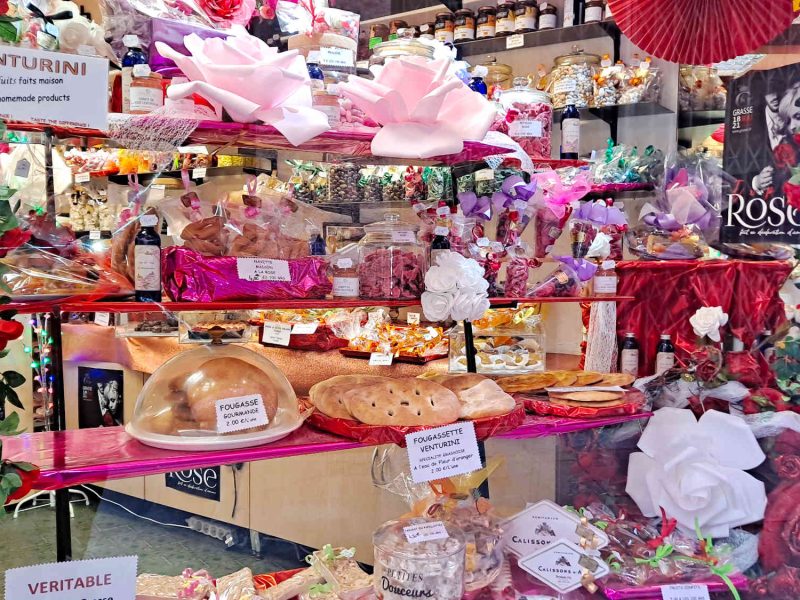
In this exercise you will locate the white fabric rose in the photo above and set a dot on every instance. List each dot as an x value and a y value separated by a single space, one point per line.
436 306
707 321
600 246
694 470
441 280
469 306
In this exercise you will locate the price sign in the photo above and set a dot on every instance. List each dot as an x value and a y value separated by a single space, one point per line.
305 328
425 532
94 234
515 41
379 359
443 211
23 168
443 452
157 191
83 177
684 591
102 318
413 318
199 173
74 580
277 333
242 412
263 269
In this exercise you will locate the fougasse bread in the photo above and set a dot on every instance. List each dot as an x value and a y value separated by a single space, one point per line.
404 402
479 396
329 396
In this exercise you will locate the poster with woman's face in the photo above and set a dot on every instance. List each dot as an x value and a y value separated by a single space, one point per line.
100 401
762 151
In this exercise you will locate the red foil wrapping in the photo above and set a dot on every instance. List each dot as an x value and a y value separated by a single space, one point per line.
669 292
634 403
388 434
191 277
267 580
322 340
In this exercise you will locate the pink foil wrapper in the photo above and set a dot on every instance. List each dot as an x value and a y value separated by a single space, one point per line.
188 276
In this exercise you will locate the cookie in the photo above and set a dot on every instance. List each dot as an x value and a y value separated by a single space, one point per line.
571 403
565 379
527 383
621 379
588 378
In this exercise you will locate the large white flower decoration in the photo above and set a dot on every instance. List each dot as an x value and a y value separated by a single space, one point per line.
694 470
707 321
425 111
251 81
455 289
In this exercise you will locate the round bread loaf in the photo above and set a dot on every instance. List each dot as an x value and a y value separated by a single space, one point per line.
329 396
404 402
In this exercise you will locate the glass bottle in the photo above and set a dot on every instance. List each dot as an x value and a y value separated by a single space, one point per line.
477 83
605 279
570 133
665 354
134 56
147 261
440 244
314 71
629 355
316 245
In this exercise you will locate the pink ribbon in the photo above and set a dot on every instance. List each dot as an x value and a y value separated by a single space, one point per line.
558 196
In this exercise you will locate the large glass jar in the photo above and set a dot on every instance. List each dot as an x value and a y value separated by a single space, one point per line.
527 118
400 47
498 77
428 569
572 79
391 260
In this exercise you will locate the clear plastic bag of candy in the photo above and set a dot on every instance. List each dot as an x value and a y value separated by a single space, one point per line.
554 207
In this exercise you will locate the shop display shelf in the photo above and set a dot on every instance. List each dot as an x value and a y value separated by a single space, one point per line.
77 456
700 118
787 42
216 133
210 172
618 111
535 39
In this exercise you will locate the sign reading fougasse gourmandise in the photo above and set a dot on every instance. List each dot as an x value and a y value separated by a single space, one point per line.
762 153
53 88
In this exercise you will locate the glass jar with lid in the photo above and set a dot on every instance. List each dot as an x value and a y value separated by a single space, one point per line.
464 25
526 16
594 10
528 117
445 27
505 18
486 23
548 16
498 76
400 47
391 260
572 79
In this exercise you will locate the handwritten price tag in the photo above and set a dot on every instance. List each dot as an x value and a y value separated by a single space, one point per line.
199 173
515 41
378 359
102 318
83 177
425 532
305 328
242 412
413 318
685 591
263 269
443 452
277 333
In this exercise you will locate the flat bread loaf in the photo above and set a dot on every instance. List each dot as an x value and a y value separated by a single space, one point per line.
329 396
404 402
479 397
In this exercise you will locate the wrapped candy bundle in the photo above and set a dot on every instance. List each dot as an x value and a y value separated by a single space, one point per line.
521 261
602 216
512 204
566 281
554 208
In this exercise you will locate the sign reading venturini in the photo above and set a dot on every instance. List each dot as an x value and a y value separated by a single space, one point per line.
53 87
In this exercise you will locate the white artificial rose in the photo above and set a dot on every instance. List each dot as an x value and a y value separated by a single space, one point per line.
441 280
707 322
469 306
474 286
436 306
450 260
600 246
694 470
472 276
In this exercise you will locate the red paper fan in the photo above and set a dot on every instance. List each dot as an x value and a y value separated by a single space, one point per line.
697 32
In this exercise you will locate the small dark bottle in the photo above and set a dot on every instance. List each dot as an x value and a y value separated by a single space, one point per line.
440 242
477 84
316 245
629 355
147 261
314 71
570 133
665 355
135 55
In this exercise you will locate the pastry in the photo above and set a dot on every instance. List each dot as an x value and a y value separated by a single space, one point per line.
479 397
588 396
404 402
237 586
329 396
292 587
621 379
527 383
588 378
565 378
206 236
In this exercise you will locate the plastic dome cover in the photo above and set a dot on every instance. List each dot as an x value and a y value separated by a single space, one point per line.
179 406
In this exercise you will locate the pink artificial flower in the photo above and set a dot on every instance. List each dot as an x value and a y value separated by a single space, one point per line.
229 11
266 12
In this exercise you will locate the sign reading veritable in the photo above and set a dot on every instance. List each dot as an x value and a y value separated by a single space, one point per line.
53 88
762 152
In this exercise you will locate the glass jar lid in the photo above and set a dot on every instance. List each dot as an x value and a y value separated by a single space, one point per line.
522 92
389 228
403 47
497 68
578 57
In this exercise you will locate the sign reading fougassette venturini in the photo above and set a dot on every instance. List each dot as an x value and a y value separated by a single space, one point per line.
53 88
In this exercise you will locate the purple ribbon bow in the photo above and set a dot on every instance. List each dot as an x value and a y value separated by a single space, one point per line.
584 269
476 206
600 214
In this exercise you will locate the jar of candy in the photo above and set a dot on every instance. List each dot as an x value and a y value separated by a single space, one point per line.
505 18
391 260
498 76
395 27
400 47
464 25
406 568
572 79
527 118
526 16
345 274
445 27
486 23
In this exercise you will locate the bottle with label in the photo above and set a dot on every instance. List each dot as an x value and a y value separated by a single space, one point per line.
605 279
526 16
147 260
146 92
316 245
593 11
570 133
665 355
134 56
314 71
629 355
477 83
440 243
504 24
548 16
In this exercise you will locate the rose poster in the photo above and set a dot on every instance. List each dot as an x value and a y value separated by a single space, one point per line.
762 152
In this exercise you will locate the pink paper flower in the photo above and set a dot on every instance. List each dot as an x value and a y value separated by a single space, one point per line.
237 12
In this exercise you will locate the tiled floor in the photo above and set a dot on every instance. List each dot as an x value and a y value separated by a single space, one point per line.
104 530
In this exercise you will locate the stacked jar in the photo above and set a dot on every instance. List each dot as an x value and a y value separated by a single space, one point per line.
527 118
445 26
391 260
526 16
572 79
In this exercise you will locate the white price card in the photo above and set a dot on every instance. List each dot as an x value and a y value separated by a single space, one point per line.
23 168
199 173
305 328
75 580
102 318
425 532
83 177
277 333
60 89
685 591
263 269
412 318
515 41
157 192
404 237
336 57
95 234
242 412
379 359
443 452
193 150
443 211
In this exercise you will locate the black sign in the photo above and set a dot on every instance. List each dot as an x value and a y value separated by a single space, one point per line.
762 152
203 483
100 400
